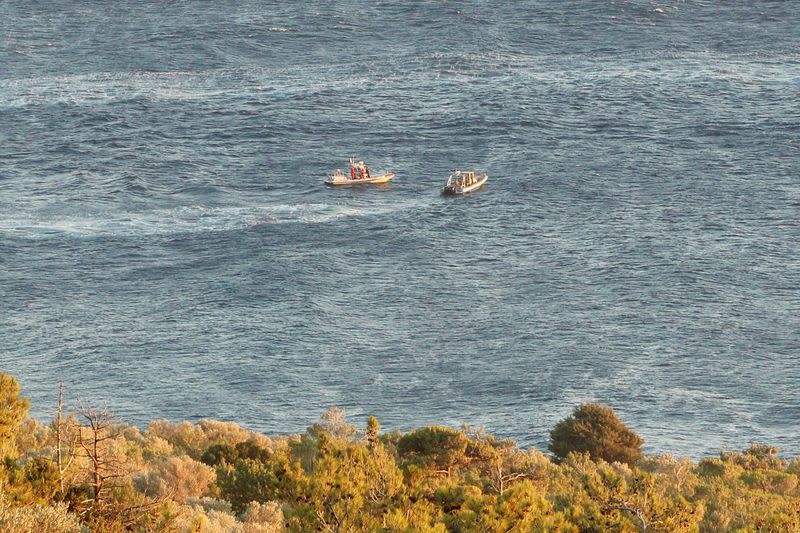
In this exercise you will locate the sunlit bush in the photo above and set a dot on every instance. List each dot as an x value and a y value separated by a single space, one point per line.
178 478
194 439
54 518
264 517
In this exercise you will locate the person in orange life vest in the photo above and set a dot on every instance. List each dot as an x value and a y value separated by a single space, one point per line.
352 173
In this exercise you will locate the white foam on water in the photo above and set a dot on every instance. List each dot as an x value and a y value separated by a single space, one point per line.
105 87
192 85
184 220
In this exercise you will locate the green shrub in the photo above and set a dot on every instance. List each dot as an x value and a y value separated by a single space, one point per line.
595 429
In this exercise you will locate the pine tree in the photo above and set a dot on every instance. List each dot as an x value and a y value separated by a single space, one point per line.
596 430
13 410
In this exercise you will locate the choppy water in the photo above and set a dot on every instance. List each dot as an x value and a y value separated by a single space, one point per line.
167 248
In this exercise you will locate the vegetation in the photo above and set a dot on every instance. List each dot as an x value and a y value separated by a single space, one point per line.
596 430
88 472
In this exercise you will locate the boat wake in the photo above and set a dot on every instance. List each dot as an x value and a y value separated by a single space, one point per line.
183 220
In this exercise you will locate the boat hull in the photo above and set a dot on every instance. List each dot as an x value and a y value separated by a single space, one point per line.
347 181
454 191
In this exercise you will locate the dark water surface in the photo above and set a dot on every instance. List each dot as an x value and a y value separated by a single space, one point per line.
167 247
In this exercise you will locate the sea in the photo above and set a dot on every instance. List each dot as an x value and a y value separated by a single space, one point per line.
168 248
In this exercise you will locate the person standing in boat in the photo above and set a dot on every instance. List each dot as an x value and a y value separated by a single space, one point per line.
366 171
352 172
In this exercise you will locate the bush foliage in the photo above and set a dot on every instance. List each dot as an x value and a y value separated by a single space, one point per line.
596 430
214 477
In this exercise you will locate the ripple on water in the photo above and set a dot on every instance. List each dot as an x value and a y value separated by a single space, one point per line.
164 233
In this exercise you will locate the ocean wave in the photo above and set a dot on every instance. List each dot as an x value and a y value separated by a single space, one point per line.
291 81
110 87
104 87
